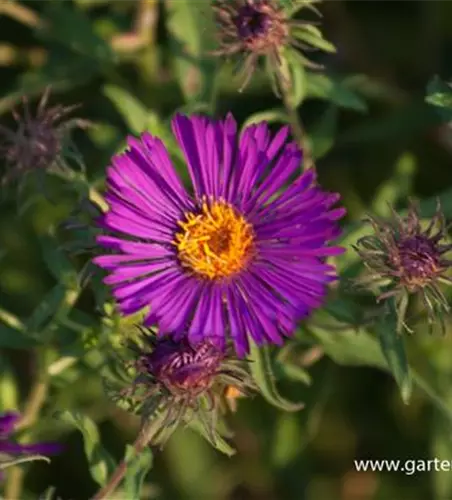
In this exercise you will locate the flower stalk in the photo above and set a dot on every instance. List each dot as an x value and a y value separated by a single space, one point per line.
144 439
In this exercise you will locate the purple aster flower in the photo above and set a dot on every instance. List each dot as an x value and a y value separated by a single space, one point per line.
8 421
242 256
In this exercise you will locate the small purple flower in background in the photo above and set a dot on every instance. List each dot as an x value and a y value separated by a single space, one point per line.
185 381
244 256
11 449
251 29
403 259
40 142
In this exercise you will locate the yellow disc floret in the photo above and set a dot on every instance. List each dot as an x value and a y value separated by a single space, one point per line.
215 243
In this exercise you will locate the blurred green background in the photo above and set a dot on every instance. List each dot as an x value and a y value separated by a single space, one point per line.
372 133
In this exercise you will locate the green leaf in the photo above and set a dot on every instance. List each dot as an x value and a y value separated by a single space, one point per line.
57 263
262 372
287 365
101 464
73 28
47 309
190 27
311 35
287 4
439 94
404 122
293 70
334 90
219 443
351 348
295 373
344 311
135 114
393 348
15 339
137 468
323 133
131 109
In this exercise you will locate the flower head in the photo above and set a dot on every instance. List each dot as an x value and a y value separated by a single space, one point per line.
182 380
252 29
241 256
11 449
404 258
40 141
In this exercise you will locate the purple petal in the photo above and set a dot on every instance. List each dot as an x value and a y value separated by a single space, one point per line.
7 422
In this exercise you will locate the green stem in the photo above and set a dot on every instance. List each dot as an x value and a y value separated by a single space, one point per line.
298 130
144 438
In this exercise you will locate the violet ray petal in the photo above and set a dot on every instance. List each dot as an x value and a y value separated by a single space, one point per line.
7 422
236 325
135 248
164 164
183 130
196 329
229 153
143 168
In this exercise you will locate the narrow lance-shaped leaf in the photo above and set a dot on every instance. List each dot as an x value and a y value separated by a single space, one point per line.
393 348
137 116
262 372
57 262
334 90
219 443
46 310
101 464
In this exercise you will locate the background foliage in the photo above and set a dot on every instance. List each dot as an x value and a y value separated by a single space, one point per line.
376 139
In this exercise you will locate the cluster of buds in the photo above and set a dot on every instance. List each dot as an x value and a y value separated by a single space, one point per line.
404 259
182 381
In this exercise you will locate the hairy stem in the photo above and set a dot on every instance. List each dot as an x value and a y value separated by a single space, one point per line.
144 438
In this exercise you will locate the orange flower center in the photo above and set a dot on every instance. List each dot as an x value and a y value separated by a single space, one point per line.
216 243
